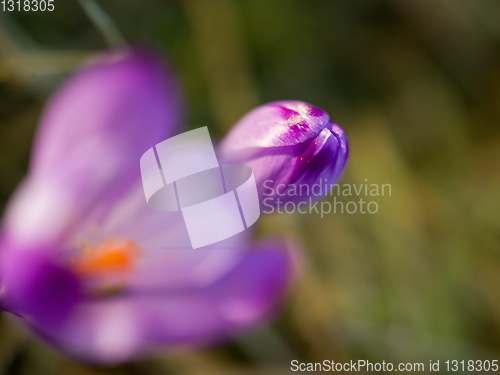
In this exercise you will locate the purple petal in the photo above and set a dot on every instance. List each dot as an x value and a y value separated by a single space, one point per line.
113 330
38 289
277 124
91 136
244 297
287 144
166 258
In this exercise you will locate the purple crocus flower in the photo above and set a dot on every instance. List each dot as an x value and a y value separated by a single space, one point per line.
290 145
83 261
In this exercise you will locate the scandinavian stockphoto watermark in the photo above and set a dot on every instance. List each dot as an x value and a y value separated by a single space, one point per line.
337 198
217 201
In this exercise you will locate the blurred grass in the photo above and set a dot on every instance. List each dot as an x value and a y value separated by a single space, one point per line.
416 85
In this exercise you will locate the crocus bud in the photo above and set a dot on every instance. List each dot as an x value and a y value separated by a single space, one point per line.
295 152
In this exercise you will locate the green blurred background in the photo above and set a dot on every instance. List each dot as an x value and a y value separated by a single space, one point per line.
416 85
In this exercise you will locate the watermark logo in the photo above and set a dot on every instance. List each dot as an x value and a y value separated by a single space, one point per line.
183 174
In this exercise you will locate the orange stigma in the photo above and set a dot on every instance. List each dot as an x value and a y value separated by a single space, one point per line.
112 256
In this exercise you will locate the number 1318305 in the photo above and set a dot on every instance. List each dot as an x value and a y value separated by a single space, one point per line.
27 5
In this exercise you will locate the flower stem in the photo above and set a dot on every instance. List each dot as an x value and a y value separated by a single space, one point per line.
103 22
